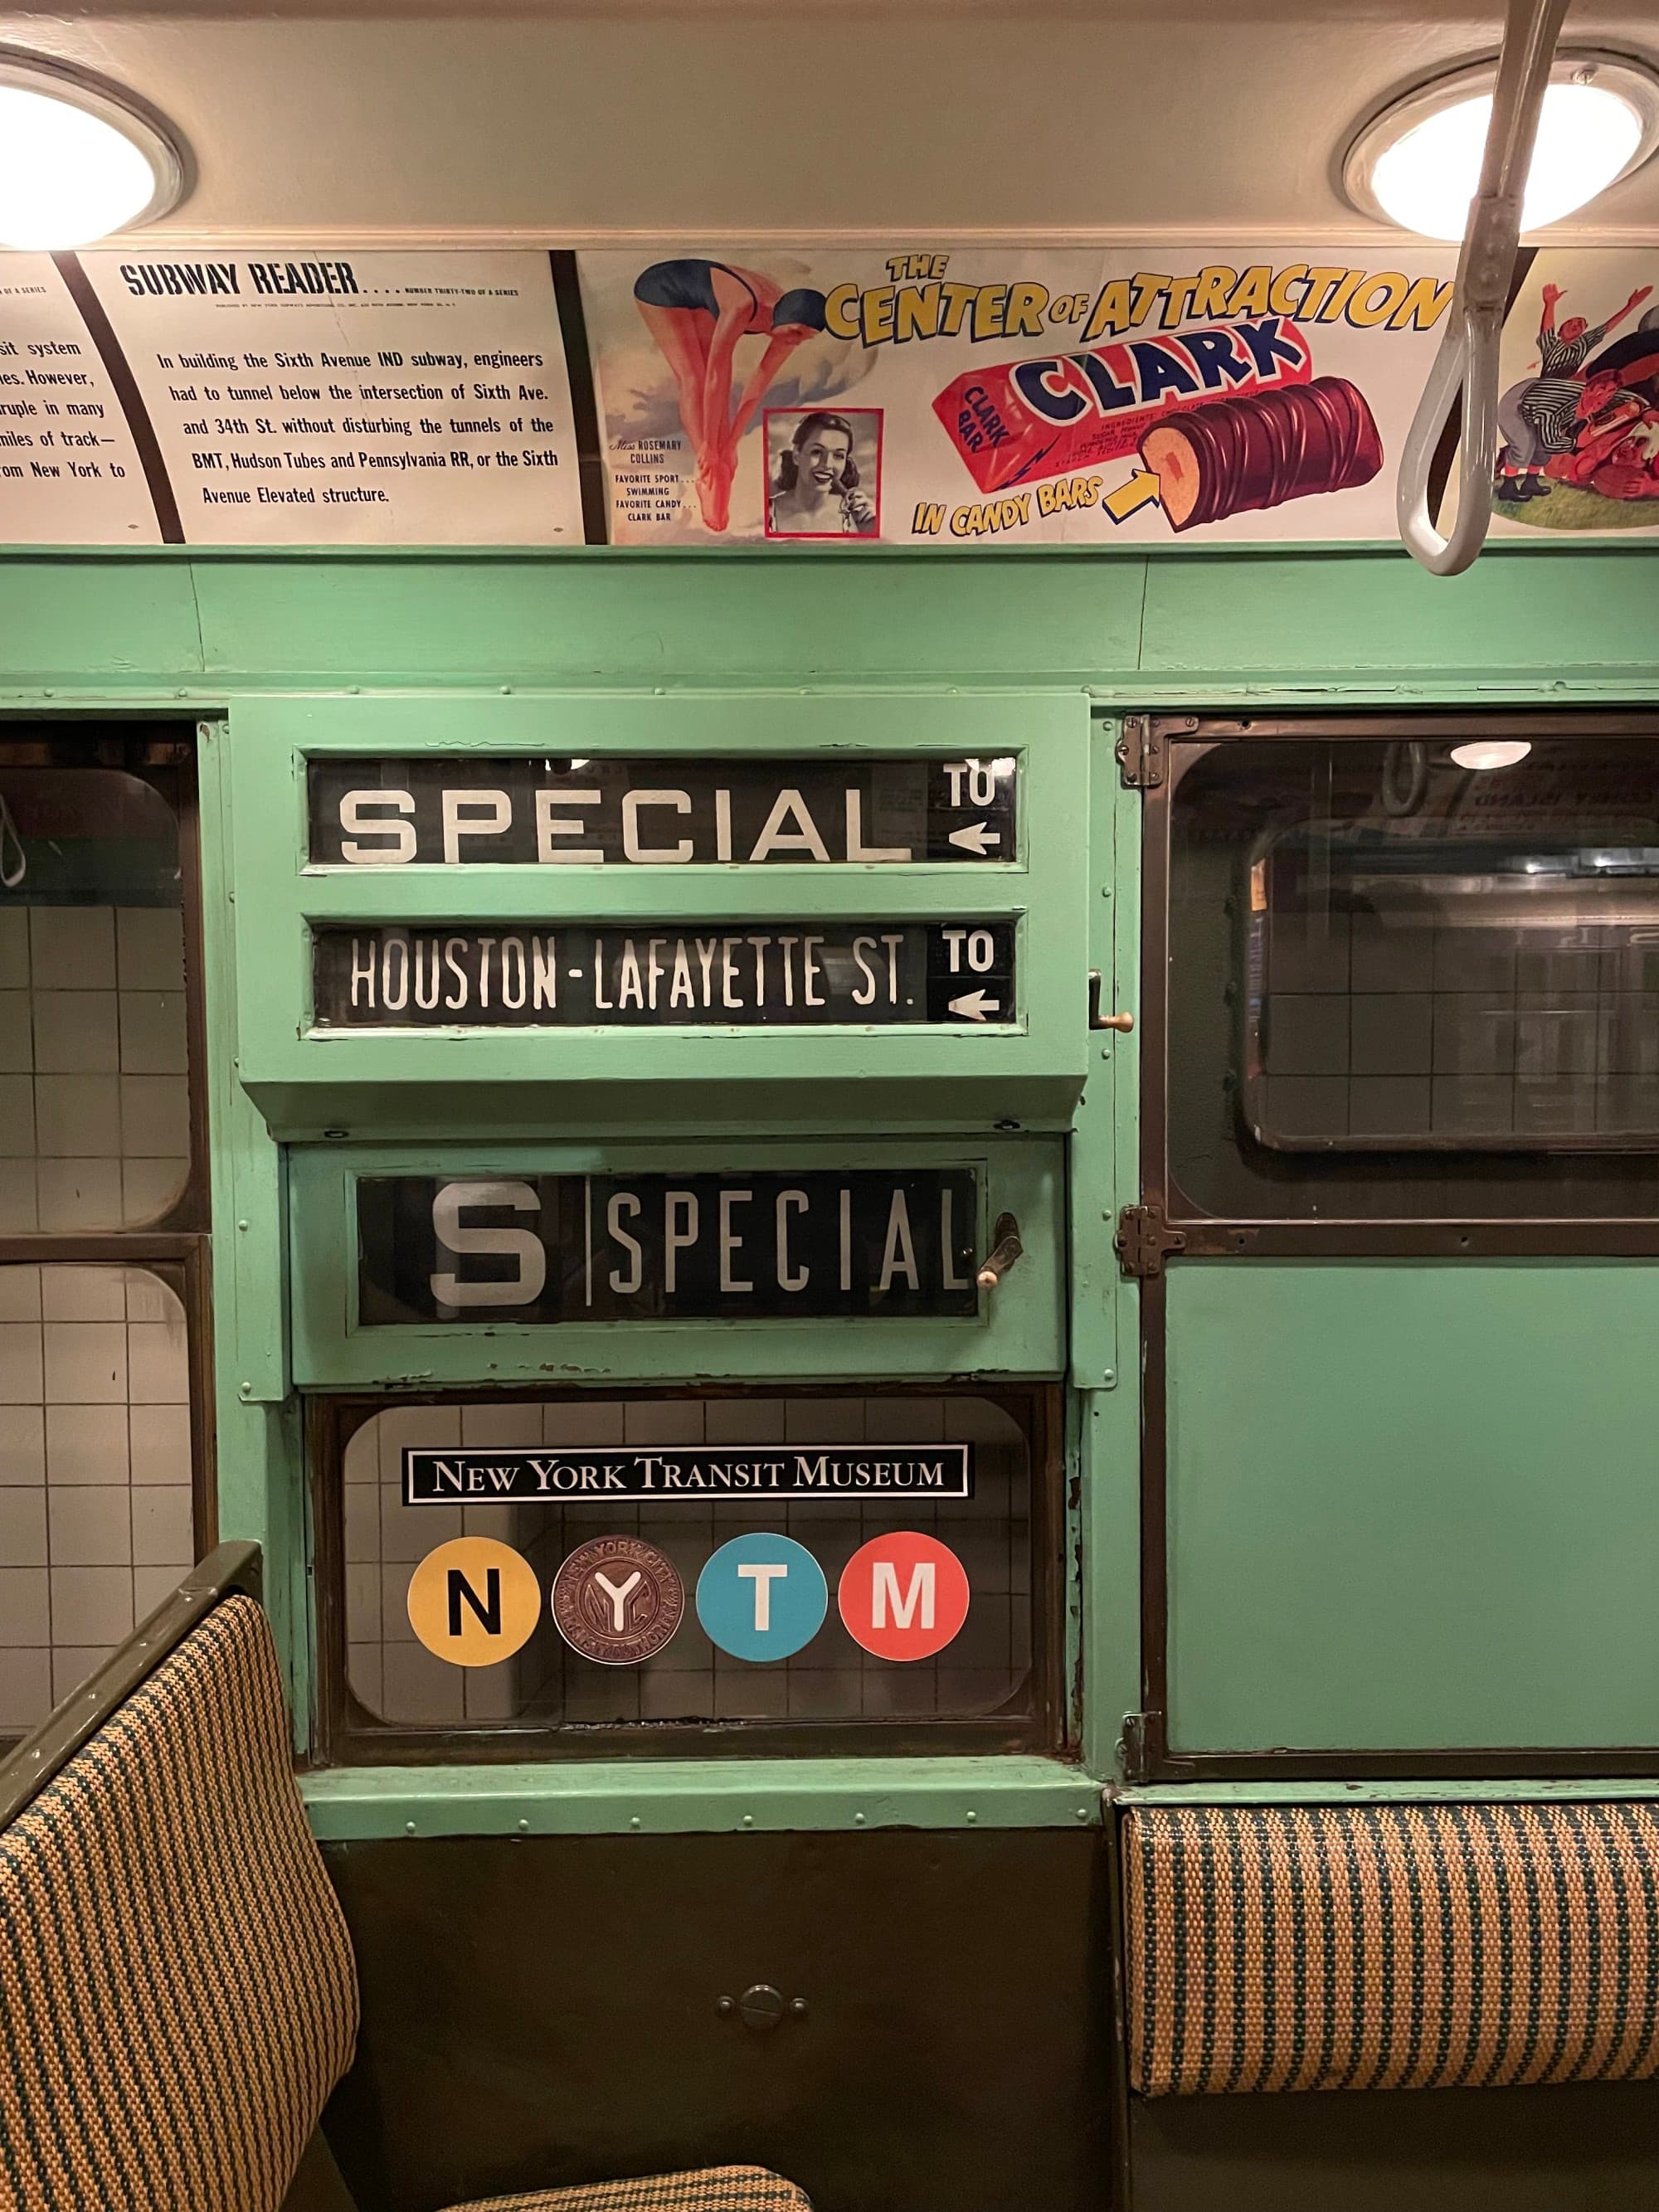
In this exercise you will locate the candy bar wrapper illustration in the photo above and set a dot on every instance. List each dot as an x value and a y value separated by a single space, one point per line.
1024 419
801 395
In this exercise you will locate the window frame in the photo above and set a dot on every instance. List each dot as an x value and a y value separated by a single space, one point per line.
1171 746
175 1248
346 1737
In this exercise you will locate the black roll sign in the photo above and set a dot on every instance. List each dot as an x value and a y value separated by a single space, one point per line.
679 975
450 810
544 1249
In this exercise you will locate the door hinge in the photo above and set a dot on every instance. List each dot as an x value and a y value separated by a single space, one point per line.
1132 1746
1140 749
1144 1241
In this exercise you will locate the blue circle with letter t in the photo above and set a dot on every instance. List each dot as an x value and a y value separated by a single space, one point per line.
762 1597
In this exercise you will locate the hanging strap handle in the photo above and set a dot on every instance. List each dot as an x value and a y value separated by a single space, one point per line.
1468 351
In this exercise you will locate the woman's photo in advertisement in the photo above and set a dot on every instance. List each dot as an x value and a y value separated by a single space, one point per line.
824 472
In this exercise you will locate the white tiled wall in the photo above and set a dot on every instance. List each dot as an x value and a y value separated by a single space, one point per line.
95 1513
94 1109
988 1665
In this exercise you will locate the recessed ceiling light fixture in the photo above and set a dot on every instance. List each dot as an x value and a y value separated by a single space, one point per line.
1418 162
1491 752
78 159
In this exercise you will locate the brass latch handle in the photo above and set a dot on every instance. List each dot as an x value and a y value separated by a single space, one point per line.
1004 1252
1124 1023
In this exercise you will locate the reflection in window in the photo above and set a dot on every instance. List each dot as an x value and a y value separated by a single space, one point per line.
1403 986
95 1488
94 1111
987 1670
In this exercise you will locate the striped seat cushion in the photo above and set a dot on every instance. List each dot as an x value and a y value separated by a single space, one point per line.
715 2188
177 1995
1400 1947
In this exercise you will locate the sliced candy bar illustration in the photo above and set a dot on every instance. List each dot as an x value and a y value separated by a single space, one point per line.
1261 449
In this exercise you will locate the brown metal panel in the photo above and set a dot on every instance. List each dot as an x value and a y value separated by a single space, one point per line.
544 2011
1591 2147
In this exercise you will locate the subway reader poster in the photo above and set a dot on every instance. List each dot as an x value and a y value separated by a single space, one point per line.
1578 395
985 395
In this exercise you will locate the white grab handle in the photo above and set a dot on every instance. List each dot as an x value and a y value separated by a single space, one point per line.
1468 351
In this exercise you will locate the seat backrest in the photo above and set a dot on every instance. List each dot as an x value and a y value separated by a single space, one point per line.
176 1991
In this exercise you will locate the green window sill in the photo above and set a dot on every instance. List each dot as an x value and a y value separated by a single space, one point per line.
685 1796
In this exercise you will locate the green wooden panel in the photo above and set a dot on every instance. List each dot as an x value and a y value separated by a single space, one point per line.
617 617
1029 1069
671 1796
93 625
1511 617
1018 1329
1414 1505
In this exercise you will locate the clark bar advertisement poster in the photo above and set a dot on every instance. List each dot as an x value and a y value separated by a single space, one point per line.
994 396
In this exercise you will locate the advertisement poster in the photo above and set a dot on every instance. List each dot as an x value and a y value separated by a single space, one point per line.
380 398
70 469
994 395
1578 410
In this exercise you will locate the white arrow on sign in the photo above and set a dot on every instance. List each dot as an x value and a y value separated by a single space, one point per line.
975 1006
975 838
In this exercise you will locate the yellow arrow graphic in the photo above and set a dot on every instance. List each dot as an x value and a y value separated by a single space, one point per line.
1137 491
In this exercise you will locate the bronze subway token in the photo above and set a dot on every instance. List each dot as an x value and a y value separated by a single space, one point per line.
618 1601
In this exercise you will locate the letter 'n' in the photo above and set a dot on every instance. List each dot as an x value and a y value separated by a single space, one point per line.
489 1612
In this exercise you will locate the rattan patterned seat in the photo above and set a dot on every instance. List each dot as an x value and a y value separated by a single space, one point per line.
715 2188
1390 1947
178 1994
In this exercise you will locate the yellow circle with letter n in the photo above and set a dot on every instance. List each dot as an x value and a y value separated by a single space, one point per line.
474 1601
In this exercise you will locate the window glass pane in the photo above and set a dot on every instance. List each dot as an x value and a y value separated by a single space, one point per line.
986 1669
1399 985
96 1522
95 1105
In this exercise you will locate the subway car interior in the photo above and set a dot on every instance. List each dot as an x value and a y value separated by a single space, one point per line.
829 1232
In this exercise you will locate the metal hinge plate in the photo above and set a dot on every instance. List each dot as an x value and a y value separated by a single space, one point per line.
1144 1241
1132 1746
1140 749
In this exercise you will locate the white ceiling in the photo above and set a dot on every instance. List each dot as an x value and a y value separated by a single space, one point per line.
370 119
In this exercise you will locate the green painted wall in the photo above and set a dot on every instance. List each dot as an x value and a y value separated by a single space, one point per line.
1414 1505
1541 624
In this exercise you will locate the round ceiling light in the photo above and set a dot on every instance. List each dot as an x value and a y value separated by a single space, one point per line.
77 160
1417 164
1491 752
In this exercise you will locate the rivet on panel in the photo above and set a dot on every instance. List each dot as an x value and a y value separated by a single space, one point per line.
408 1827
1082 1811
635 1822
1108 1375
524 1827
243 1224
748 1820
970 1817
857 1819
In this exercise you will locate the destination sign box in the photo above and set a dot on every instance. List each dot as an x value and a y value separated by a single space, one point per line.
785 974
693 1473
442 811
883 1243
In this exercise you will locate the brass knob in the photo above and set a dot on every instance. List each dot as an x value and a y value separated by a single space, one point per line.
1006 1249
1123 1022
